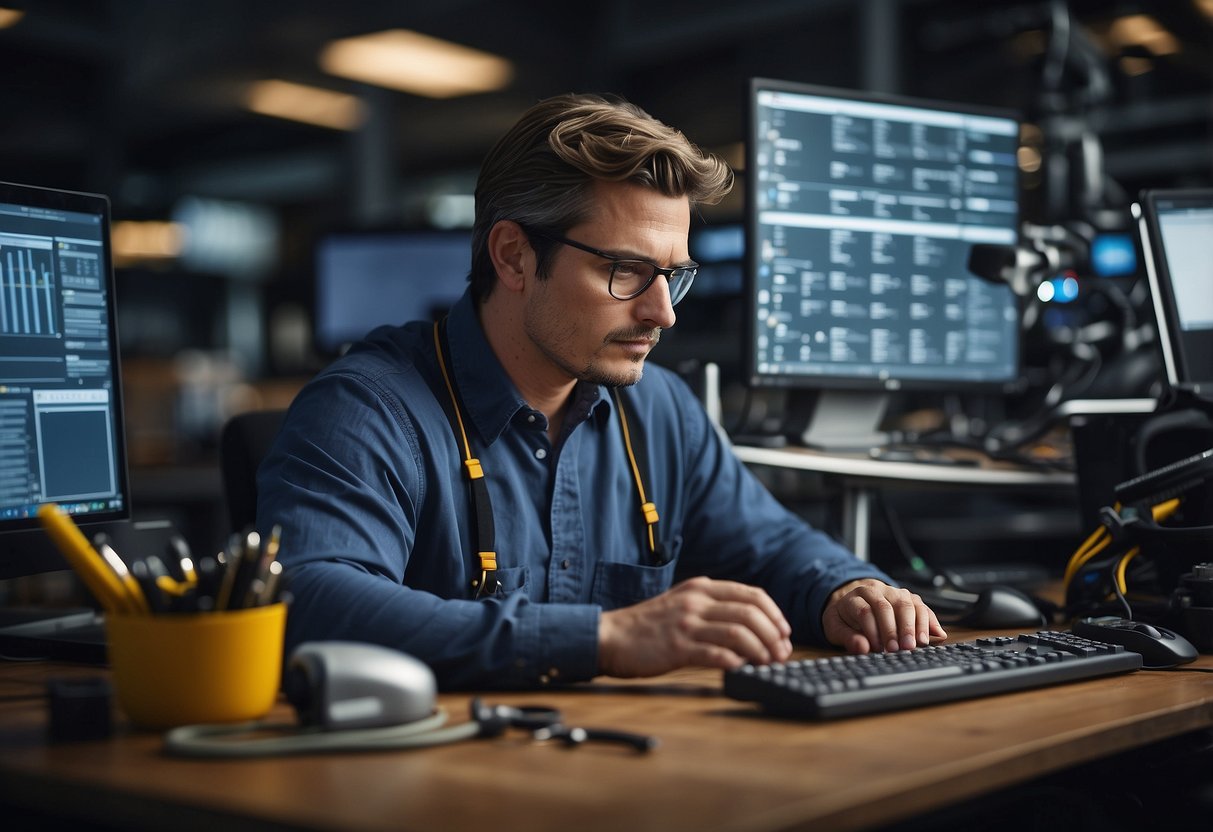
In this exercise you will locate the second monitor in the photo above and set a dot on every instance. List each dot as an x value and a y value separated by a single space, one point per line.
860 214
366 278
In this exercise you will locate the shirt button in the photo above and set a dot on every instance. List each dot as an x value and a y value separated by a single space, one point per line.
541 453
530 419
564 564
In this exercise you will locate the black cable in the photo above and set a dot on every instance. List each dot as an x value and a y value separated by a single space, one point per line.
1058 47
743 418
1124 602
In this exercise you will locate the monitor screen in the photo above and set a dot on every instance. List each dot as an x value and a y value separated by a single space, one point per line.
368 278
861 211
1176 226
61 427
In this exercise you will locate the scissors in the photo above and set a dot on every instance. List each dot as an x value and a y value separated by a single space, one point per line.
546 723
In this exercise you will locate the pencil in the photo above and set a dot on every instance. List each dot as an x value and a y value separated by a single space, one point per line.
96 574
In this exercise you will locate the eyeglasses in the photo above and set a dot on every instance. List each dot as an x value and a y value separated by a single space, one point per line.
631 278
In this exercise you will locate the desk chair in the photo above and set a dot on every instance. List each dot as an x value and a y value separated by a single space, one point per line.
243 443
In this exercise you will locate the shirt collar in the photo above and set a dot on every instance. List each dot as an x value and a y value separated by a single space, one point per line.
486 393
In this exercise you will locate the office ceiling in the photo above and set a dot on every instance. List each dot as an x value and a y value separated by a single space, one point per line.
141 99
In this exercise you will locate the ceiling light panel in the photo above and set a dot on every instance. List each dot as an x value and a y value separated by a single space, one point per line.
404 60
311 105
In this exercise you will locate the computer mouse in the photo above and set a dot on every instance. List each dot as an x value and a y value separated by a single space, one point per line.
340 685
1001 607
1159 647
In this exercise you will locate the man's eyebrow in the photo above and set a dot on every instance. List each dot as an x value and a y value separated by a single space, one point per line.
619 255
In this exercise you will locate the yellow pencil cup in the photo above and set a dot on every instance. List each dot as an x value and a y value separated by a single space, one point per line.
171 669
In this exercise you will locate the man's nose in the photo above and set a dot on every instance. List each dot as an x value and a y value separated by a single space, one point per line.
654 306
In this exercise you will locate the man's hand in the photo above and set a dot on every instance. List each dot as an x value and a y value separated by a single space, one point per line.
868 615
698 622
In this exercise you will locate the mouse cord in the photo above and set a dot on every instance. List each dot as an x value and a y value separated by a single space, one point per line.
1118 582
241 741
918 565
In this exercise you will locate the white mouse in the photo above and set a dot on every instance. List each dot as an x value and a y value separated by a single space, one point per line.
341 685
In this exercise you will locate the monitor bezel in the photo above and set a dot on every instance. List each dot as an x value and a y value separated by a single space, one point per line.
24 549
874 383
1175 361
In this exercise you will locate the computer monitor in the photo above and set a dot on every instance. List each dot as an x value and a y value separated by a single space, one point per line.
1176 227
861 210
368 278
61 426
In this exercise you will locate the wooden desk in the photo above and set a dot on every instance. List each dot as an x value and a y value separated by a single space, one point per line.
719 766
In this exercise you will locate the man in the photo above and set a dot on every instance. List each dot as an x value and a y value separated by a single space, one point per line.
613 531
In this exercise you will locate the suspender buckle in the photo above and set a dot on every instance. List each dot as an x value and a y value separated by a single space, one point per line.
487 586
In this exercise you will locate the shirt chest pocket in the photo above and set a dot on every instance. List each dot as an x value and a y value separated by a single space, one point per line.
503 582
623 584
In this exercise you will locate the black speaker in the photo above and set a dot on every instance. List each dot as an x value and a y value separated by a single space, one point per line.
1194 603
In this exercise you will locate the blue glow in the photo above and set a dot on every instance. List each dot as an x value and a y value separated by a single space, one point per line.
1062 289
1113 255
1069 289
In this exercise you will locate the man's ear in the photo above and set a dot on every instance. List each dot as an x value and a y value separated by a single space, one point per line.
511 253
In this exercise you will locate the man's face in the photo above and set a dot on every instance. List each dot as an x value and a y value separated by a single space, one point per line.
571 317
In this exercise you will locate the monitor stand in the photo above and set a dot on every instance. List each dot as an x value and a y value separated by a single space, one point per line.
847 421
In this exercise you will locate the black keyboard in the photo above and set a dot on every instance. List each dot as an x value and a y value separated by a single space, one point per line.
840 686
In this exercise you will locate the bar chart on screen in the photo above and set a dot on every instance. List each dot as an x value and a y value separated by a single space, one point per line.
27 287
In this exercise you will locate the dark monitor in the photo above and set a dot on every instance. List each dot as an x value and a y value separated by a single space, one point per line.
720 252
368 278
861 210
61 426
1176 227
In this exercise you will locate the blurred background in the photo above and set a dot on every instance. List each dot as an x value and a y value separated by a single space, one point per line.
263 157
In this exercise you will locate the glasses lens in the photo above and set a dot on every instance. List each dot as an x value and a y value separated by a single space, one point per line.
630 277
680 284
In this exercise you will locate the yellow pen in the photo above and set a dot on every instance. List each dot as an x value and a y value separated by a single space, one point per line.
172 587
84 559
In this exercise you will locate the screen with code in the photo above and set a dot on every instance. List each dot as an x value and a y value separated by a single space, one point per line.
861 214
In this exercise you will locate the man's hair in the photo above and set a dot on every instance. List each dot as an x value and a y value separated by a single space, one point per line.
541 172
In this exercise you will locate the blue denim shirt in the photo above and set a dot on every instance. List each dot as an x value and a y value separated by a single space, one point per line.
366 481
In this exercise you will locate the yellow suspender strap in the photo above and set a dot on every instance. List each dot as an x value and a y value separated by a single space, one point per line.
647 508
481 506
